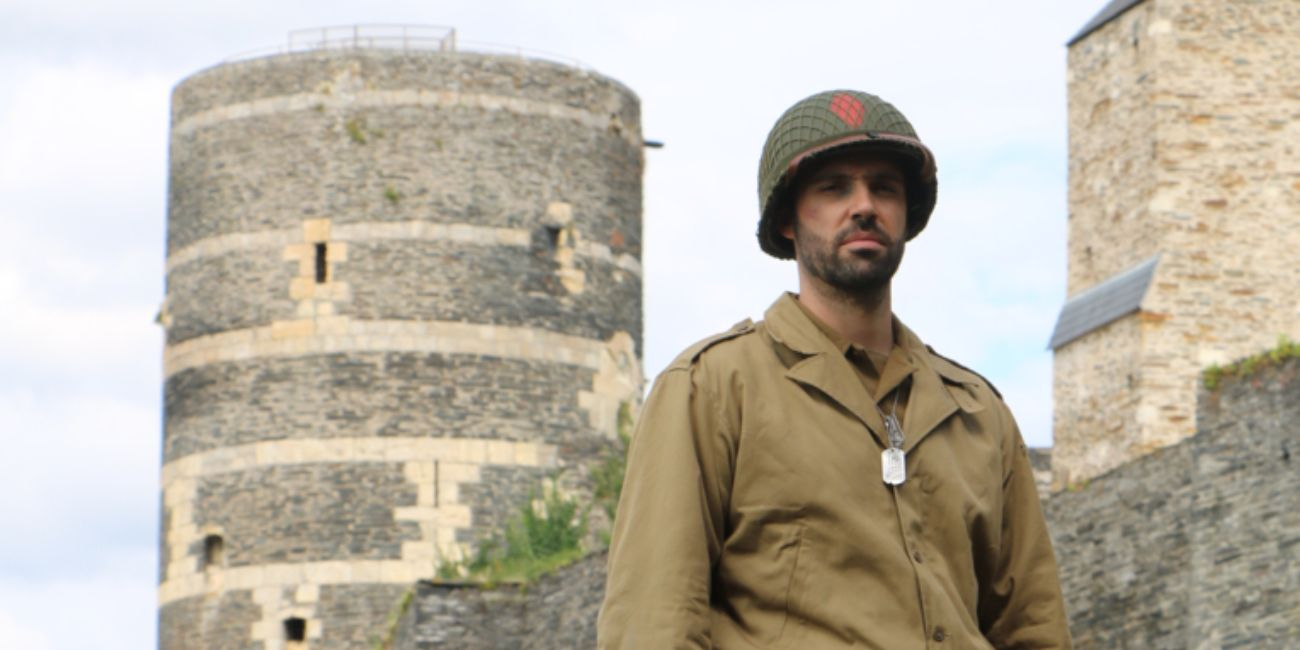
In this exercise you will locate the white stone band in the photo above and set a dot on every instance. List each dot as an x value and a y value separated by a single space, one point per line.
464 233
408 97
333 334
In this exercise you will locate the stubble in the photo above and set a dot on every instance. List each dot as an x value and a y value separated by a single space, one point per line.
860 277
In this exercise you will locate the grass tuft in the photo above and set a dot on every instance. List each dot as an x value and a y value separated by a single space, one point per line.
1214 376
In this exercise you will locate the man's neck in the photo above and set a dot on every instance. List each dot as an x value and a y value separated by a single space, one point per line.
867 322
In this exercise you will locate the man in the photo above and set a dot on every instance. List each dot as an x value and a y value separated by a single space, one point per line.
822 479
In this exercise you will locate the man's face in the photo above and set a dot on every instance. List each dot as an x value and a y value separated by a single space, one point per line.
850 221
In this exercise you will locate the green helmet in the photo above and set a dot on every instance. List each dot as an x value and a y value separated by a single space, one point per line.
833 121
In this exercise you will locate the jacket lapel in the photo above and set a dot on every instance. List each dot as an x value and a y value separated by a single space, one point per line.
930 402
823 368
831 375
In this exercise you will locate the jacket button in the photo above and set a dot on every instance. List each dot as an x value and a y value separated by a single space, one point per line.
916 555
939 634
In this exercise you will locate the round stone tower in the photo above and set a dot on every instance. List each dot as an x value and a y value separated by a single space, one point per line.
403 286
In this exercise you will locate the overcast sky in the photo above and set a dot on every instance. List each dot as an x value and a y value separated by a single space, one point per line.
84 101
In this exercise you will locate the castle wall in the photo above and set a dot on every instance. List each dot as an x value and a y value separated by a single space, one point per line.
1191 546
559 611
1181 145
402 289
1194 545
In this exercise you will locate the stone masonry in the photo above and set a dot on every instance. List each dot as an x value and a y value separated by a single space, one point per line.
557 613
1194 545
1191 546
1184 143
403 288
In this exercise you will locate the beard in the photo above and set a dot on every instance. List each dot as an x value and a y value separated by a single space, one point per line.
859 276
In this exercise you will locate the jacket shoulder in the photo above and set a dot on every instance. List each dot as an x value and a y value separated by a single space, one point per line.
692 354
955 371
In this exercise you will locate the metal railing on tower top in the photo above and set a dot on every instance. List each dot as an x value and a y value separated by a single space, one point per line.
383 37
394 37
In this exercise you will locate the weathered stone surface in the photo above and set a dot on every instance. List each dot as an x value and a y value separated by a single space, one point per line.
222 620
1180 145
1194 545
496 285
558 612
392 394
331 157
1040 459
307 513
1097 383
402 289
333 72
353 617
247 290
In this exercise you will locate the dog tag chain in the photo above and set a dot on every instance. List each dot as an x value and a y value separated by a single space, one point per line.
893 462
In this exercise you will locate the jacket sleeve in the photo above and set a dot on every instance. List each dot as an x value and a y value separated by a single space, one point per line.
1022 608
670 521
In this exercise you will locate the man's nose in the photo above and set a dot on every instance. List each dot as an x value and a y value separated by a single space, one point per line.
861 204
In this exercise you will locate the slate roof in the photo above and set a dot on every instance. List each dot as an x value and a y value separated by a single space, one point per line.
1118 296
1107 14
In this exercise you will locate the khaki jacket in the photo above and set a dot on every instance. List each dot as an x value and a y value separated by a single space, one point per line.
754 514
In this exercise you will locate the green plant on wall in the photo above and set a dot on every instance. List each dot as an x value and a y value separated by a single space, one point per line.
385 642
391 194
534 544
1285 349
538 541
356 130
608 476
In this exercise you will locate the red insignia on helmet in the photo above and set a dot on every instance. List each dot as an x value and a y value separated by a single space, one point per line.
849 109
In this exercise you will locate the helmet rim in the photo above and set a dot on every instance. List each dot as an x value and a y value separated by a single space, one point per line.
834 130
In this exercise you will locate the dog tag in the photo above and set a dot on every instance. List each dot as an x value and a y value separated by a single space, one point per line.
893 466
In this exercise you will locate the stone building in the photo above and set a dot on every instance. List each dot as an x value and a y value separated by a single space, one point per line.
403 286
1184 216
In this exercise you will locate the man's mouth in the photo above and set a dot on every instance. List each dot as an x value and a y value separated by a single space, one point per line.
864 239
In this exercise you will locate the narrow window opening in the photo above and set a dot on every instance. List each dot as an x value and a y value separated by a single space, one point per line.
554 233
321 267
295 629
437 501
214 551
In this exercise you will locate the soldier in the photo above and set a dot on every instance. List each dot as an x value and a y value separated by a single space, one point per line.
822 478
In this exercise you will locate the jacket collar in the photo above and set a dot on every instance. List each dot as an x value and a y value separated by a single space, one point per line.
824 368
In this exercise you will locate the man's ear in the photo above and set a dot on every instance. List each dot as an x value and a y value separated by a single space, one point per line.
787 216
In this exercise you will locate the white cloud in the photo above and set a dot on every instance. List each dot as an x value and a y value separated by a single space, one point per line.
84 130
21 634
80 471
109 608
106 346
